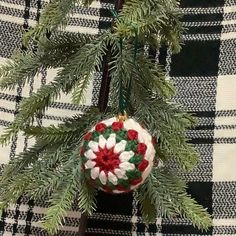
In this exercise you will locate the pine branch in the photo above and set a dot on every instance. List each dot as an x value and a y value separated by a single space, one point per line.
169 125
166 120
47 174
61 47
144 68
52 53
78 95
61 201
84 62
87 197
15 178
20 70
71 130
148 204
54 16
165 191
23 160
150 18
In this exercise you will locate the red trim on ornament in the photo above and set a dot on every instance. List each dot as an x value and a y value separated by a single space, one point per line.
132 134
87 136
122 188
143 165
100 127
136 181
141 148
117 125
107 189
82 151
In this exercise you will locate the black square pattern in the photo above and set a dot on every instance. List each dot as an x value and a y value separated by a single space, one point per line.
196 59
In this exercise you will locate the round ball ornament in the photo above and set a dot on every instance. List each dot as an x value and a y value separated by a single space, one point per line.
117 156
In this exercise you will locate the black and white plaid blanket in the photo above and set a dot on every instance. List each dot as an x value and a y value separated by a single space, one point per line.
205 76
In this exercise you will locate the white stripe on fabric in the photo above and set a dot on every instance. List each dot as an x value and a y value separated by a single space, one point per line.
224 222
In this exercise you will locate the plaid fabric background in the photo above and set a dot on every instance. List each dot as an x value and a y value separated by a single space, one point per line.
204 73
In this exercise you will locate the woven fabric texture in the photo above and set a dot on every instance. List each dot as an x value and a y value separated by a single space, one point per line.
205 75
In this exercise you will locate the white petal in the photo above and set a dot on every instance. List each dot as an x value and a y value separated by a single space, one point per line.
95 172
111 141
120 173
93 145
90 154
127 166
90 164
120 147
102 141
125 156
103 177
112 178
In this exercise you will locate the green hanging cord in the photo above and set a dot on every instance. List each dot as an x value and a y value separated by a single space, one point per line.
122 95
135 42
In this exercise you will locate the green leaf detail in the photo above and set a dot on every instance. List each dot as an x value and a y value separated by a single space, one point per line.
133 174
124 183
95 136
136 159
131 145
121 135
107 132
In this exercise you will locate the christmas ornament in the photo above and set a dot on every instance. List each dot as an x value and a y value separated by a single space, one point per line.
117 155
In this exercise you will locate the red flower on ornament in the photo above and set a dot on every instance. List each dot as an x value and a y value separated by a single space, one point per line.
107 160
132 134
141 148
87 136
116 126
143 165
100 127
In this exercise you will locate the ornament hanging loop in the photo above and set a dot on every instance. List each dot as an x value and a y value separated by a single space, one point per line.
122 117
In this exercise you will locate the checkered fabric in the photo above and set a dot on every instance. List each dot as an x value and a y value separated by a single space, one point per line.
204 73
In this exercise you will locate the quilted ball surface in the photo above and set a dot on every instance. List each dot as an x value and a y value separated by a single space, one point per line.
117 156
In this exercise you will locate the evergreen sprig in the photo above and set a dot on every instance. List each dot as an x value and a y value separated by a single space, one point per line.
19 70
51 53
61 201
166 193
87 197
75 74
54 16
155 22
